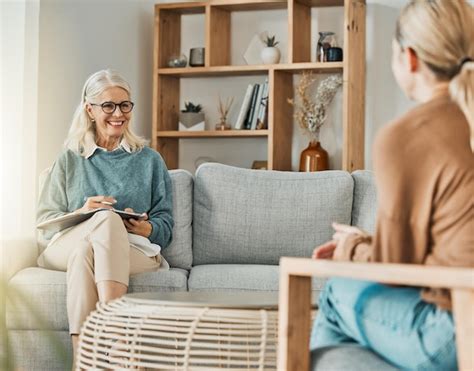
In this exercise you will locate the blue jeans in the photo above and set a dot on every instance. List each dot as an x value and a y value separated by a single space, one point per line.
392 321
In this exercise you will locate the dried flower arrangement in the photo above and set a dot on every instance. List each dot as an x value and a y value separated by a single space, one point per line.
224 109
310 114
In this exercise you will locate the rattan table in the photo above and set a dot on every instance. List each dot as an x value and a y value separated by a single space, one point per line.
182 331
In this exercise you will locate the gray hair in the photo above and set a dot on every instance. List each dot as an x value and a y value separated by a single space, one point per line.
82 128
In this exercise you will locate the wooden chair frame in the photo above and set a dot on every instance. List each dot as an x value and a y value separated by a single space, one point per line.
295 301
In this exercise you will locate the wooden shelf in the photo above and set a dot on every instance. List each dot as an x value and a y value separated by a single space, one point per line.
244 5
217 16
213 134
215 71
329 67
321 3
183 8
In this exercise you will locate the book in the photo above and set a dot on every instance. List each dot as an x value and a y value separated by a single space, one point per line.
263 107
71 219
253 124
248 121
244 108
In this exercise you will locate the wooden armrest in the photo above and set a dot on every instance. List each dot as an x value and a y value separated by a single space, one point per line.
295 300
399 274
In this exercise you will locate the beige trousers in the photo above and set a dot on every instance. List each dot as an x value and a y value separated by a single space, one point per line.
93 251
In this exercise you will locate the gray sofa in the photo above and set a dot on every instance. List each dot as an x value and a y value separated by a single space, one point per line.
231 227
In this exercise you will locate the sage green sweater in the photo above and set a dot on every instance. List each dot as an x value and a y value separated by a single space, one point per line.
138 180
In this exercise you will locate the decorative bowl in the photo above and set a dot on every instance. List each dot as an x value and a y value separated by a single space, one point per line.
177 61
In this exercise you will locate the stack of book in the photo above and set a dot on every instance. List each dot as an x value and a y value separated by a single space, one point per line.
254 110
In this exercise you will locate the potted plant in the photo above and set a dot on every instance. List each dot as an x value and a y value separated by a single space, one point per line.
191 117
270 54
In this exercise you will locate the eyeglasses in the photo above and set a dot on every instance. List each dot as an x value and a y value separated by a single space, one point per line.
110 107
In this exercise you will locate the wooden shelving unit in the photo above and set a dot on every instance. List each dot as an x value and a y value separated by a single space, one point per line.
213 134
167 34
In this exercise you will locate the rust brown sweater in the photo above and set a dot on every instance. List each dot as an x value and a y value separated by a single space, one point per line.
424 172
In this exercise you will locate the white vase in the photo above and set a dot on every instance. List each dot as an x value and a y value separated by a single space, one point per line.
270 55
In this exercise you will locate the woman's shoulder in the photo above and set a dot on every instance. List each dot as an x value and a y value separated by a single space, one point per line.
63 163
408 126
150 154
66 156
146 151
391 134
411 138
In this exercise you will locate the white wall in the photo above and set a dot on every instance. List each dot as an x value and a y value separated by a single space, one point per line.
79 37
18 106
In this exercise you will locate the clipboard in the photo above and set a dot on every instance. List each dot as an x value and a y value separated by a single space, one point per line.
72 219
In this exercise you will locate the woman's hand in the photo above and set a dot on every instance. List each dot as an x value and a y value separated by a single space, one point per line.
334 248
325 251
140 227
96 202
343 230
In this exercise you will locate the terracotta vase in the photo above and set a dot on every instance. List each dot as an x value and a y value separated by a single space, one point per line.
314 157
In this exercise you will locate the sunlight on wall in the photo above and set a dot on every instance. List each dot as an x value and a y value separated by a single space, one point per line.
18 111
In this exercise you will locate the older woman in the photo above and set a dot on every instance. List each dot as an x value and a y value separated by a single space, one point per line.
424 171
105 165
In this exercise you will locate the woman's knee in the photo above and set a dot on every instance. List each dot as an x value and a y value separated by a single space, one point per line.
107 215
343 291
107 221
82 255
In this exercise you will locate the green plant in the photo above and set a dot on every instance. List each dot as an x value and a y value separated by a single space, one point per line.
270 41
191 107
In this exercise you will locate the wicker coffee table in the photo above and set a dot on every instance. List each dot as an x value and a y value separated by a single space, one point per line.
182 331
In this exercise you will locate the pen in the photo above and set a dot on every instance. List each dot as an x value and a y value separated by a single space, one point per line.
102 202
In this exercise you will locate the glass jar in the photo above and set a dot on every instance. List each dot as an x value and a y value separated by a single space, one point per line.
326 40
177 61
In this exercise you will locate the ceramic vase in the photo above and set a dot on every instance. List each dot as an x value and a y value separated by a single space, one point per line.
270 55
314 158
192 121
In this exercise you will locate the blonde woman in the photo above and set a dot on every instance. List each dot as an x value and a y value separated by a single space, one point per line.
105 165
424 171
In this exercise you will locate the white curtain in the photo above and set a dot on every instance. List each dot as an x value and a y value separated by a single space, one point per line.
19 33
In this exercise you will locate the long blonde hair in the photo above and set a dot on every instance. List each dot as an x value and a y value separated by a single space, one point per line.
441 32
82 128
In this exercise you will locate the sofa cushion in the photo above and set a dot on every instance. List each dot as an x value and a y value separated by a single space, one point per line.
347 357
246 216
179 254
40 350
364 207
241 277
38 296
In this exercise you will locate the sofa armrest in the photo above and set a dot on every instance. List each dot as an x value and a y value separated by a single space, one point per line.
17 255
295 289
